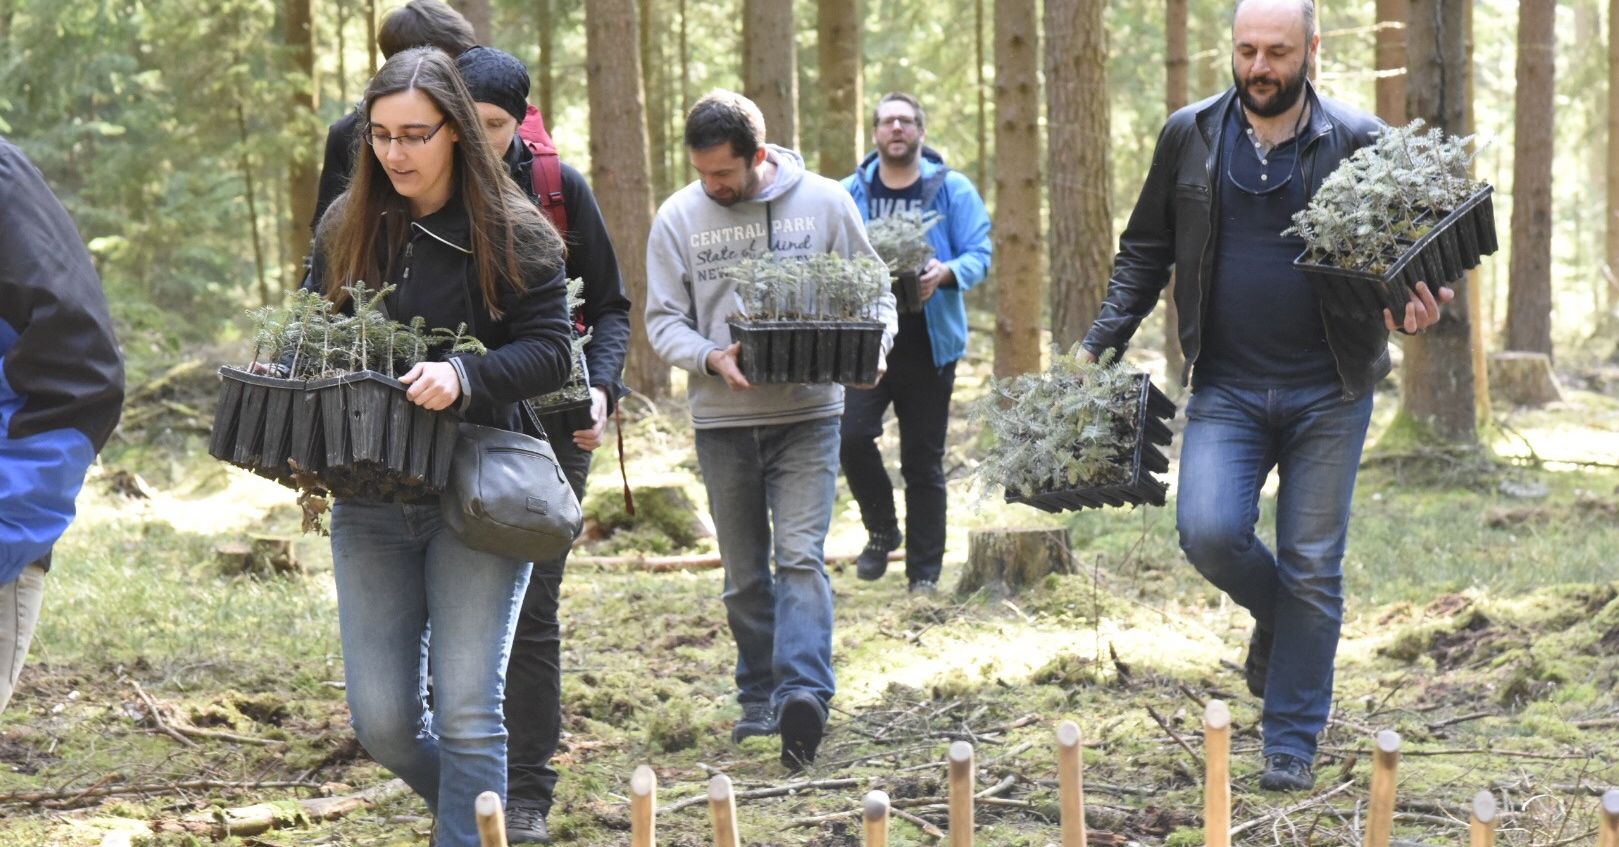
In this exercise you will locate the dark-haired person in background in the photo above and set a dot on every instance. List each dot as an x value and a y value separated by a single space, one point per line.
61 391
768 453
498 81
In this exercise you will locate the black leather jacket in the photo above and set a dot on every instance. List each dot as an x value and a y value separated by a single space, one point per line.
1176 220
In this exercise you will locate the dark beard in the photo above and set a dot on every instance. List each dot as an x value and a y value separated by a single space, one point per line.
1287 94
912 151
750 189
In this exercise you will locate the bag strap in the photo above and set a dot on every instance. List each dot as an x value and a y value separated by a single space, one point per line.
546 172
618 428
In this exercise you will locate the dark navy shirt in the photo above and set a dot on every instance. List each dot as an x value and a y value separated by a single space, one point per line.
1263 326
885 201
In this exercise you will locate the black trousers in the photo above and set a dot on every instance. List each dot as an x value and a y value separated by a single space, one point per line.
920 394
534 677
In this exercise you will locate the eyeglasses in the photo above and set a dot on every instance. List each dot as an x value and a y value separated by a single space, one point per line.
380 140
904 122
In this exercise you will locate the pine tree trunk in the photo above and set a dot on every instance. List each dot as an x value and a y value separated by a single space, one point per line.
302 173
1612 231
477 13
1176 66
770 67
983 105
547 69
657 118
1077 117
1437 387
1391 19
371 34
838 42
1017 188
1529 297
620 169
342 51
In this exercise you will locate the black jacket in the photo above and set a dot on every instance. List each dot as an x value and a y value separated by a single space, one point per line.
590 258
1176 221
61 375
436 279
342 140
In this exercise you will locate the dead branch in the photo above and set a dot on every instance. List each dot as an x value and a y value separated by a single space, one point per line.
927 828
62 797
1196 758
262 817
1473 716
773 791
157 716
1294 809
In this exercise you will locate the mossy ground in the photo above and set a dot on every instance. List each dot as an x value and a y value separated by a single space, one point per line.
1491 645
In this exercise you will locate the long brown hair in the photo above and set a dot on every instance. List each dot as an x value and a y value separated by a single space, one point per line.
370 223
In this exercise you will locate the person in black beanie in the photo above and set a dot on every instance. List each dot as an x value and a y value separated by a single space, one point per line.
499 83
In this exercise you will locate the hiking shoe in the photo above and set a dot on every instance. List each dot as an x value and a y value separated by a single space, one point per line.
803 721
924 586
1256 667
525 824
1286 773
872 562
757 719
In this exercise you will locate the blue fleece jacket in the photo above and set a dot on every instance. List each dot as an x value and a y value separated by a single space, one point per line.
960 240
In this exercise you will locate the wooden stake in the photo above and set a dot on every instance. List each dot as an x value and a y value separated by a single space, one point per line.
961 794
876 815
1482 828
1071 784
722 808
1217 777
643 806
491 820
1608 828
1380 810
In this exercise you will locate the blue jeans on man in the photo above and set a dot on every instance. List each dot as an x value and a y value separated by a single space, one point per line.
397 566
1313 437
771 490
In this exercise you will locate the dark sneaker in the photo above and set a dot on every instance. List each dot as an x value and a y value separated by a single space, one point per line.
525 824
1286 773
803 721
924 586
872 562
757 719
1256 667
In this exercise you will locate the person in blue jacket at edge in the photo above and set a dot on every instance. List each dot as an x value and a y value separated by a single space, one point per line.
903 174
61 391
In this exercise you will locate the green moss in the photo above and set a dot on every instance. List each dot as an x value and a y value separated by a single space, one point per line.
1185 836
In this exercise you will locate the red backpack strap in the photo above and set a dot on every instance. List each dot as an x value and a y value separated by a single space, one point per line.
547 169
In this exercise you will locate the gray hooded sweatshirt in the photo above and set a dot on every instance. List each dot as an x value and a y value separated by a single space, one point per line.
694 240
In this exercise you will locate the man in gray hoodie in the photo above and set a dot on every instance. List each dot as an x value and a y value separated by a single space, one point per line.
768 453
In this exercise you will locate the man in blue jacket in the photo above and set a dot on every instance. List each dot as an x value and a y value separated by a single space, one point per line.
904 175
61 389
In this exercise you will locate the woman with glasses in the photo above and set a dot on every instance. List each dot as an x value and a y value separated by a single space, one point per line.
432 212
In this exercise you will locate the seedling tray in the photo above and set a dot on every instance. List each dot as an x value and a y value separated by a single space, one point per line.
1146 458
1455 245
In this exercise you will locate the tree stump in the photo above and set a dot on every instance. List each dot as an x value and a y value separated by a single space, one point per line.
261 555
1005 561
1523 378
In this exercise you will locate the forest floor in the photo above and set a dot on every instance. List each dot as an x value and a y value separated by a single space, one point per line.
1483 625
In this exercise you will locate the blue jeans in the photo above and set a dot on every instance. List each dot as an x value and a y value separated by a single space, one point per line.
782 478
397 568
1313 437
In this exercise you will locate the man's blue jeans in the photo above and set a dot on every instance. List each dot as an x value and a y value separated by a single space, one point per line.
397 568
1313 437
782 478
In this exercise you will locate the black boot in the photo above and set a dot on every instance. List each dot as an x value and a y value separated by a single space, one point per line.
873 561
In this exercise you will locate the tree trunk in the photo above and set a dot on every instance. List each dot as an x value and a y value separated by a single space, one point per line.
1005 561
1176 66
477 13
1017 187
302 165
1529 296
1437 388
657 119
1081 244
983 105
371 35
620 169
770 67
342 51
1524 378
546 71
838 43
1391 27
246 164
1612 233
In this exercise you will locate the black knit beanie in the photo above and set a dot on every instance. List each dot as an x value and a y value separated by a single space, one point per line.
497 77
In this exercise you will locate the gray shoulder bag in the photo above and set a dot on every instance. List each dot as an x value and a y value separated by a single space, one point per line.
508 496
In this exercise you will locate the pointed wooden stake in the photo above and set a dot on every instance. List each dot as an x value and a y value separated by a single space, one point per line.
643 807
1217 779
1481 831
1071 784
491 820
722 808
876 815
961 794
1380 809
1608 827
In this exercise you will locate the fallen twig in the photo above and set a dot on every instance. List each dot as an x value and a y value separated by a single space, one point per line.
1473 716
1290 810
157 716
262 817
773 791
55 798
1197 759
928 829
